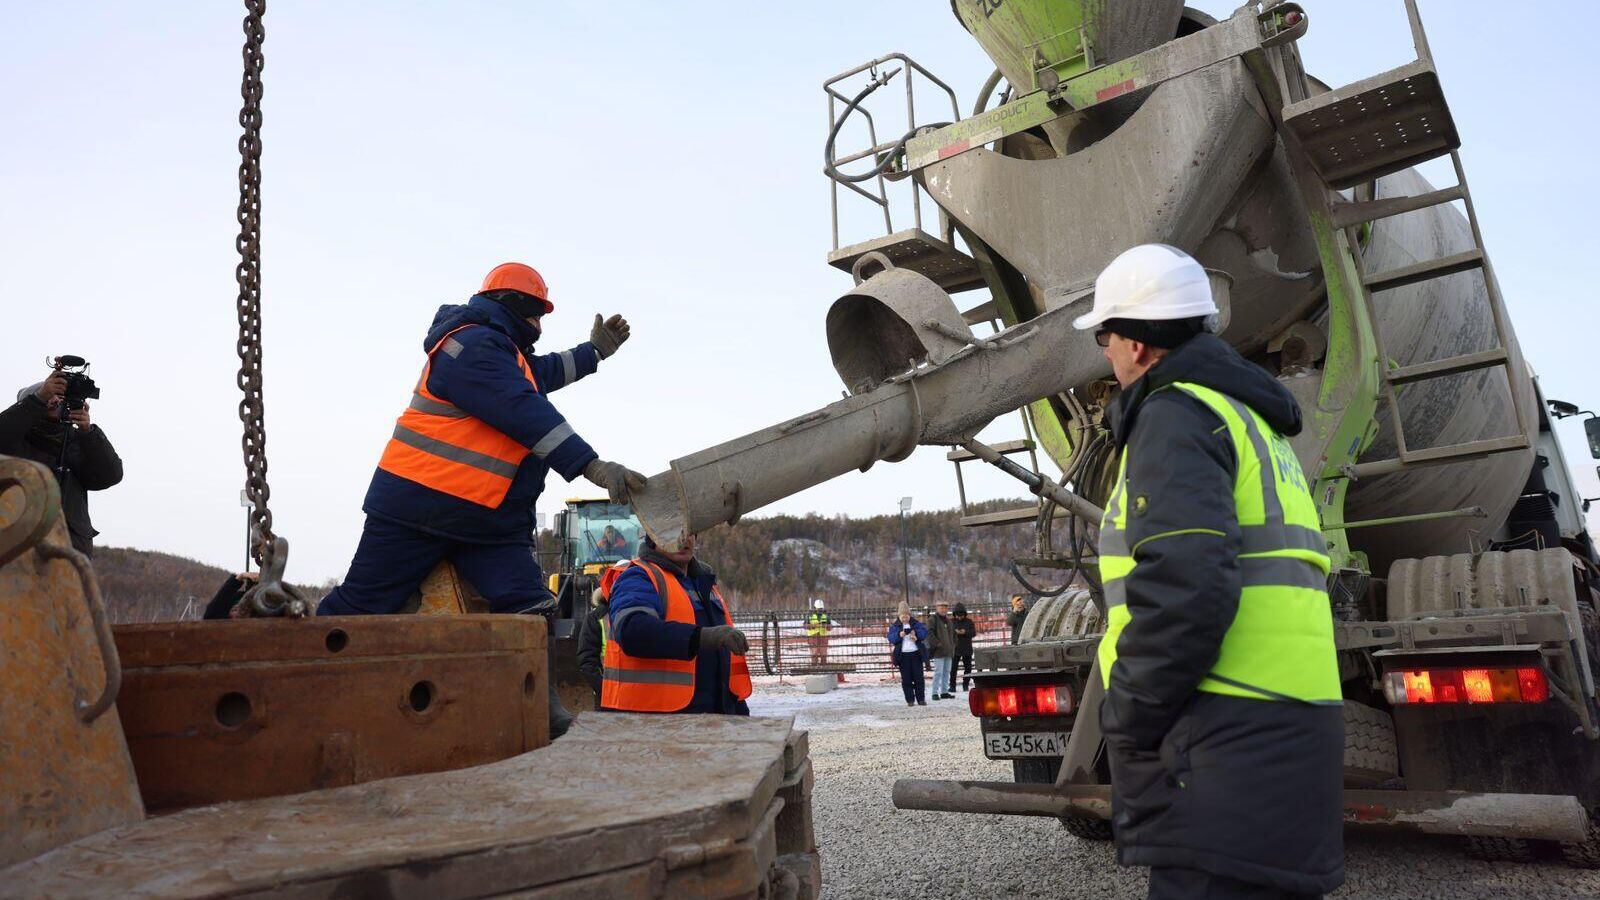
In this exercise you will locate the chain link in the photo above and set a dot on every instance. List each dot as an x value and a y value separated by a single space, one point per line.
248 274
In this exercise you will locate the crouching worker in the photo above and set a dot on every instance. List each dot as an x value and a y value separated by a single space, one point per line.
671 645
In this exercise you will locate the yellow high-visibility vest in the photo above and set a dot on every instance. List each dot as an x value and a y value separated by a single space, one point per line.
1280 645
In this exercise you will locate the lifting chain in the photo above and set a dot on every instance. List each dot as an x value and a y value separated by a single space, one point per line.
270 597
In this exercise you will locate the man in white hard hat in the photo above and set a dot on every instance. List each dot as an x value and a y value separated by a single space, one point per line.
1221 714
817 624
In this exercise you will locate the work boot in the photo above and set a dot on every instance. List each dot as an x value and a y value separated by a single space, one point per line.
922 703
560 716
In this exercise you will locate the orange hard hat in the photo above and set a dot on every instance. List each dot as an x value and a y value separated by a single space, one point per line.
514 276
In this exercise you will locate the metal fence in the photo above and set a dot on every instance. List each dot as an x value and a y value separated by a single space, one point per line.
857 639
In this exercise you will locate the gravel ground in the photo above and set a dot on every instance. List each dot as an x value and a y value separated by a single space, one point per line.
863 737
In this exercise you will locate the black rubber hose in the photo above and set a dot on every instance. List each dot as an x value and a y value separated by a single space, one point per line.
1032 588
888 158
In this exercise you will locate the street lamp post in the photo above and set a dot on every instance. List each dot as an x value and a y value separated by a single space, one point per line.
905 563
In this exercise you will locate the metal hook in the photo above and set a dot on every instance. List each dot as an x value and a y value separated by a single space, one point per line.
270 596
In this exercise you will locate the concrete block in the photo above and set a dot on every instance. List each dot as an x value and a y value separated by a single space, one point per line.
821 684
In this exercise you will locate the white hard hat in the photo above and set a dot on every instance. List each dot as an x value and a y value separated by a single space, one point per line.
1151 283
817 603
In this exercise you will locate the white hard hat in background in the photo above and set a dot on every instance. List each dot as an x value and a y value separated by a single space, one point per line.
817 603
1152 283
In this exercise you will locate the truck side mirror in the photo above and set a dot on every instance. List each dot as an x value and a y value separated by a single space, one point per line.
558 525
1591 427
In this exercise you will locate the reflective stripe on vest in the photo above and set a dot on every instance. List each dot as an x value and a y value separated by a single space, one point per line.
441 446
1280 644
816 624
637 684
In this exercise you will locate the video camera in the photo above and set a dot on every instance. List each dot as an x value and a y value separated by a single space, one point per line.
80 387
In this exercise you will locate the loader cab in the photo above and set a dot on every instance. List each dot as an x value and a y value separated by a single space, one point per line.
590 535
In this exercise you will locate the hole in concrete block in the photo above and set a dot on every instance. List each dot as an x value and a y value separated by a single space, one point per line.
233 710
527 684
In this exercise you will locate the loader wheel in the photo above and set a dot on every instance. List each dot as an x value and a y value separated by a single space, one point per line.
1584 854
1370 755
1044 771
1496 849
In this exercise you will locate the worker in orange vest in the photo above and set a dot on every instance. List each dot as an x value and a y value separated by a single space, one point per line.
671 645
468 457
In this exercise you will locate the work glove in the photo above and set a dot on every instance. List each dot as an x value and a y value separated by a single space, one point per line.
609 334
724 637
619 481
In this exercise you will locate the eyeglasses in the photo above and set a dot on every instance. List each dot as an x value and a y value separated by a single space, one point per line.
1102 336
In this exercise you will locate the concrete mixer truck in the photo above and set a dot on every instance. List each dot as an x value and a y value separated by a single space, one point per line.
1463 587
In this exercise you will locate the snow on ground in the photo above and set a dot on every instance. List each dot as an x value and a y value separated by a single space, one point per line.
863 737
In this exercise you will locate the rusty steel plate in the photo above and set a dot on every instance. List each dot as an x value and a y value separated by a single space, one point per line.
586 816
61 777
249 708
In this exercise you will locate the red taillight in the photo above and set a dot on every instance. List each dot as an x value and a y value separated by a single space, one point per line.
1021 700
1532 684
1524 684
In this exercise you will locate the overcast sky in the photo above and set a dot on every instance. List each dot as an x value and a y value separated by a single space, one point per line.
658 160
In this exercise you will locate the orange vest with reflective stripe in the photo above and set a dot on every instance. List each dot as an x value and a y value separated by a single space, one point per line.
636 684
439 446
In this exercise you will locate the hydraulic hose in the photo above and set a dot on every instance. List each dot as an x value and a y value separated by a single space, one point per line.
888 159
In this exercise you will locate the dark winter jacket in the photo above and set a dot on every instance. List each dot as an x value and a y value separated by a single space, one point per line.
591 649
639 625
484 380
27 430
919 630
1016 619
965 630
941 637
1248 789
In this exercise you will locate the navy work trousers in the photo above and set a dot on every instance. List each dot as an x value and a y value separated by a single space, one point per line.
911 677
392 560
1193 884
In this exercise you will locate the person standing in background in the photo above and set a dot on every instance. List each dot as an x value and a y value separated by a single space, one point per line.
965 630
37 428
942 647
1017 617
909 640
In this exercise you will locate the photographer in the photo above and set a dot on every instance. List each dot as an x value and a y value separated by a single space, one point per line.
33 428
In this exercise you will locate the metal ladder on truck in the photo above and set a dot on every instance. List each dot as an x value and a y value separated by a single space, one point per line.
1354 135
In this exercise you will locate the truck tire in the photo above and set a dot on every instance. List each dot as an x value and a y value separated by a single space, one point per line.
1496 849
1044 771
1370 755
1068 615
1584 854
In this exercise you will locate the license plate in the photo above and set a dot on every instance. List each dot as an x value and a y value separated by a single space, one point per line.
1040 743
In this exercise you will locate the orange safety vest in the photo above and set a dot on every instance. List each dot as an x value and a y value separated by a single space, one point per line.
440 446
635 684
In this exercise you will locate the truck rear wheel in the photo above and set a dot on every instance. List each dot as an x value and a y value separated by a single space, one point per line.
1370 753
1584 854
1044 771
1496 849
